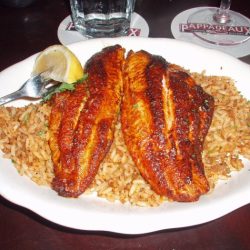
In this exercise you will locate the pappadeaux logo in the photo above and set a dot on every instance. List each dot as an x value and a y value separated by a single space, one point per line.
215 29
132 31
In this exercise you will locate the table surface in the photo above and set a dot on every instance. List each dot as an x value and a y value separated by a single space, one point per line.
25 31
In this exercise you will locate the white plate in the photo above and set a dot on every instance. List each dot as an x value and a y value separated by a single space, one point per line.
92 213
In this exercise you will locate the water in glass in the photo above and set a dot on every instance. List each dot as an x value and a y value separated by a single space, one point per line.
102 18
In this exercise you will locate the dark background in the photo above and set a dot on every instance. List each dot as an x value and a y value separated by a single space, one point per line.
25 31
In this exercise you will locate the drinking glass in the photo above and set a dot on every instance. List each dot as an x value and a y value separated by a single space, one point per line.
102 18
220 16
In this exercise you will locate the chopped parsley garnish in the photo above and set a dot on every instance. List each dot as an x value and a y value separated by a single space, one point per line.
63 87
26 117
136 105
41 133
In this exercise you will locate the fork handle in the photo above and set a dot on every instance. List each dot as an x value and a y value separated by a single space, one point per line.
11 97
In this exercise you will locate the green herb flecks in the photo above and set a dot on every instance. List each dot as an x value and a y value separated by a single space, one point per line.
136 106
26 118
85 76
63 87
41 133
13 161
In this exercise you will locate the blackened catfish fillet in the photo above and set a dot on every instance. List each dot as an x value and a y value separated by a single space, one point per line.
165 118
82 123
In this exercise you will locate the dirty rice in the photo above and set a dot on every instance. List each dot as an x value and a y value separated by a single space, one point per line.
24 140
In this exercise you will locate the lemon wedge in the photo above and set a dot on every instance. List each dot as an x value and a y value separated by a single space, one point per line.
57 62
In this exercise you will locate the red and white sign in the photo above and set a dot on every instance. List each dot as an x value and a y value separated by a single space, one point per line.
215 29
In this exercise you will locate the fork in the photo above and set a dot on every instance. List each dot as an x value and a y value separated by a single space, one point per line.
35 87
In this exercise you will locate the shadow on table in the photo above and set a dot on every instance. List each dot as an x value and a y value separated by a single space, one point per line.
44 222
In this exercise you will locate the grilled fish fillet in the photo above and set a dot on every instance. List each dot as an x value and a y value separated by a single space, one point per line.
165 118
82 123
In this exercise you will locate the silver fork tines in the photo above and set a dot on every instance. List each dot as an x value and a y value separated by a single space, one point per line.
34 87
